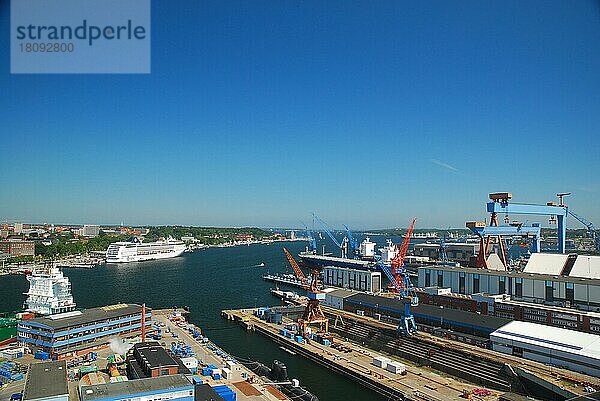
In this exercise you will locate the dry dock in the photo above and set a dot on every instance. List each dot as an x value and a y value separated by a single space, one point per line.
467 356
417 384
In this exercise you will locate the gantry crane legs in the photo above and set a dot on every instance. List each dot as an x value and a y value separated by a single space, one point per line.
313 314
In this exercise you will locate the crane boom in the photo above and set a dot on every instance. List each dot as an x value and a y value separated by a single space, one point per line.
591 229
352 241
313 314
330 234
398 260
296 268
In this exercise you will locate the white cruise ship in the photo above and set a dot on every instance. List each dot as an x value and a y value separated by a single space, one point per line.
49 291
137 251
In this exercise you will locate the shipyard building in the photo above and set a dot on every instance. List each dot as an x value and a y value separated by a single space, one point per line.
362 280
579 352
551 279
65 334
461 252
149 359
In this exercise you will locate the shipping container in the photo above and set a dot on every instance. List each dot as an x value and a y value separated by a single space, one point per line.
396 367
381 361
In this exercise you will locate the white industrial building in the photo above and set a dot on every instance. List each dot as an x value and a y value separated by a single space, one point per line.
354 279
552 279
335 298
555 346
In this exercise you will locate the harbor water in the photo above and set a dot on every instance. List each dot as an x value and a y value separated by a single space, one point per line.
207 281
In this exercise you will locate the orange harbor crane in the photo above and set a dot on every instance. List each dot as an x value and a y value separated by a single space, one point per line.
313 314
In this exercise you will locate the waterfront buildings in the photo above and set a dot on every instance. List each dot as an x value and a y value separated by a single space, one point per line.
49 291
17 247
75 332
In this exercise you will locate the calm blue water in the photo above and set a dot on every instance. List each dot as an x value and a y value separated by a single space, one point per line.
208 281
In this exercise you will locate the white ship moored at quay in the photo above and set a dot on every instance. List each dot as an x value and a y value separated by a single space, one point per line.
137 251
49 291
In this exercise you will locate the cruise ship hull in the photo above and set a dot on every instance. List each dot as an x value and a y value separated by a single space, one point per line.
125 252
142 258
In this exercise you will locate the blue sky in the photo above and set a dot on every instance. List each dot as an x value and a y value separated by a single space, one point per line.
368 113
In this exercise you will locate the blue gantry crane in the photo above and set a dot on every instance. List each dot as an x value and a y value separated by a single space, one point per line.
401 284
557 212
500 205
343 247
352 242
443 254
592 233
312 243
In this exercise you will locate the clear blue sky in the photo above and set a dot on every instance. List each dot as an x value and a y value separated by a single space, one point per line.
368 113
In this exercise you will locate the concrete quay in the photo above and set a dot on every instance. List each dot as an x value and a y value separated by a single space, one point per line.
356 362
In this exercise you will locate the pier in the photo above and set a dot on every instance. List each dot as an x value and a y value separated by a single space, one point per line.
437 368
355 362
247 386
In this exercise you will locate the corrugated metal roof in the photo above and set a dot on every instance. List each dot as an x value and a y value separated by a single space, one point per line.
546 263
586 267
556 338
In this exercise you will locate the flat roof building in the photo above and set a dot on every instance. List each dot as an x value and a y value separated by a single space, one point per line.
47 381
17 247
66 333
149 359
557 280
174 387
573 350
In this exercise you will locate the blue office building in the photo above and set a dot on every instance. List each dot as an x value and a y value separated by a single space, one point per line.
75 332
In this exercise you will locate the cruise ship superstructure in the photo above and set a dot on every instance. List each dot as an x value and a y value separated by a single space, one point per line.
49 291
137 251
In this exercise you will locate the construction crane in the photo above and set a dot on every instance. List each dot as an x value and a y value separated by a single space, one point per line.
343 247
590 228
352 242
312 243
313 314
401 283
443 254
588 224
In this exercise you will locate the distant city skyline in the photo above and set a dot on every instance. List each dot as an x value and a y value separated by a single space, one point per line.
368 114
